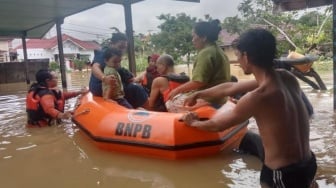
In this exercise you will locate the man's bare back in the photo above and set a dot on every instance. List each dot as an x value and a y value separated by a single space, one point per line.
275 101
282 119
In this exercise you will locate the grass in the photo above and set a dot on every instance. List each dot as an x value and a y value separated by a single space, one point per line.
323 66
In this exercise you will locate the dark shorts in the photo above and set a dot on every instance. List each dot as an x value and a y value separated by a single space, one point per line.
124 102
135 94
300 175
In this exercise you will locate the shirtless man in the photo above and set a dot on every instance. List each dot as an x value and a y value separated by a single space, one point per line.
278 109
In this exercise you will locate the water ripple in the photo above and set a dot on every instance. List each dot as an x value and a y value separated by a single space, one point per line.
26 147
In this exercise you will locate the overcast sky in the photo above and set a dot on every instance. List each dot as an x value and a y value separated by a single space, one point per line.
95 22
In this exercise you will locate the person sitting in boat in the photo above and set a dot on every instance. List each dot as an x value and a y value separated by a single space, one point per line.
114 91
45 102
134 93
147 77
162 85
212 66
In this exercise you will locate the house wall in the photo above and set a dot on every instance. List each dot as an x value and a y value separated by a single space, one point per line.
4 51
34 53
15 71
69 49
229 52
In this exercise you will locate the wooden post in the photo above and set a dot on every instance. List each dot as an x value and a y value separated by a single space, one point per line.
59 22
25 56
334 50
129 33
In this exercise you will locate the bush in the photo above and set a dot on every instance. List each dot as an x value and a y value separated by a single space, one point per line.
79 64
54 66
325 65
141 64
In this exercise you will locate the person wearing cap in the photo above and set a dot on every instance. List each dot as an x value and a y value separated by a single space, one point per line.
147 77
134 93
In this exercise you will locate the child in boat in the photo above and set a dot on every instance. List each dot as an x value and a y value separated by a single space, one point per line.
45 102
115 90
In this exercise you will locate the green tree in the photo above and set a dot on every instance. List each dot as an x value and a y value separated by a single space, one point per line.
175 36
234 24
293 32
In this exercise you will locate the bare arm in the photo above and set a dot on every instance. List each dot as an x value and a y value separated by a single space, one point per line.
189 86
155 92
228 89
98 73
224 89
107 94
224 119
71 94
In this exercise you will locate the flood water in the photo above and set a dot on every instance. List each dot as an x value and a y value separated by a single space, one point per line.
63 156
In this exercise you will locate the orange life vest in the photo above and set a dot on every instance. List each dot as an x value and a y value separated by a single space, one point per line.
173 81
35 114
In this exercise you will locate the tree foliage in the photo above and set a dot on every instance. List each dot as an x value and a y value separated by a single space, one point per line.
301 31
294 31
175 35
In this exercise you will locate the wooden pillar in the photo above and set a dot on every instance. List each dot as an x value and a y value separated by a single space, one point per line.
59 22
25 56
334 50
129 32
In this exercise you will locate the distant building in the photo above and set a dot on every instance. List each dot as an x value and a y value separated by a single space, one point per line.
5 46
73 48
226 44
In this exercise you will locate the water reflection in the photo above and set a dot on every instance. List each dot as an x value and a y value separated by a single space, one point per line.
63 156
242 173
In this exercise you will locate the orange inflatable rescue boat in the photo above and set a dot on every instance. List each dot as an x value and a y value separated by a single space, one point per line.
147 133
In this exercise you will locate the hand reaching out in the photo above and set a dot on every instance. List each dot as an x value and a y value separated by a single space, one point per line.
191 100
111 80
65 115
190 118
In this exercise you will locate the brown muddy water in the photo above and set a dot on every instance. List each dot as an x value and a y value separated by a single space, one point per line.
62 156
